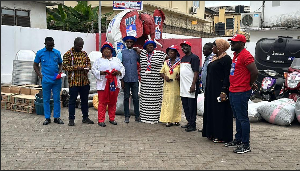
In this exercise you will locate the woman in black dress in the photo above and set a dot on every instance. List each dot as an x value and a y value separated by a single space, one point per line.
217 117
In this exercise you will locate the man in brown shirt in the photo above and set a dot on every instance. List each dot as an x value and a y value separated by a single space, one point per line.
77 64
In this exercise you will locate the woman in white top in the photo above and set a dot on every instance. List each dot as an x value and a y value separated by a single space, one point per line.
108 71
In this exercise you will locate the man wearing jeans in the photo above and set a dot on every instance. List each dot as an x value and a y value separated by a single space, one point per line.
77 63
129 58
243 74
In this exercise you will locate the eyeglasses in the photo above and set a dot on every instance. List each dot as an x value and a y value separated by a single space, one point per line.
129 42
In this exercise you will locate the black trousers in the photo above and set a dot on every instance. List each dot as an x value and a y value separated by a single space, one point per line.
190 109
84 97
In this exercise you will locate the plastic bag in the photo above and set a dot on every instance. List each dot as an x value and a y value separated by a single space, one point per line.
278 112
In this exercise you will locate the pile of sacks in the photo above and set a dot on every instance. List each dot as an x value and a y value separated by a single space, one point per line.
279 112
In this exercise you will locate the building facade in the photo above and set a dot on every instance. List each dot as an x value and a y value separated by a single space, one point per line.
25 13
227 21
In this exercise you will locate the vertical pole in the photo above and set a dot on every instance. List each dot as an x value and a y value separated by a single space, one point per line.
99 24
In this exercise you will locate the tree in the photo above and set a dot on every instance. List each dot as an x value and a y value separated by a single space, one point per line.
81 18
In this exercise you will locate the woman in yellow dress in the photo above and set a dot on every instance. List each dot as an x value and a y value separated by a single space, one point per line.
171 102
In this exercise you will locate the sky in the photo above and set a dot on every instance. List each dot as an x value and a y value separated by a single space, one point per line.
226 3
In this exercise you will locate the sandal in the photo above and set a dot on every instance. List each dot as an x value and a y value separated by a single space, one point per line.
218 141
176 123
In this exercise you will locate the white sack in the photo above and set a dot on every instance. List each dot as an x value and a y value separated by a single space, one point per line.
253 114
279 112
200 104
297 110
120 104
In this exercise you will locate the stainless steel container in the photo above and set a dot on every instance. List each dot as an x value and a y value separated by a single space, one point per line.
23 73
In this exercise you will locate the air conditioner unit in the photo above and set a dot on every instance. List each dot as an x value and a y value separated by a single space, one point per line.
193 10
250 20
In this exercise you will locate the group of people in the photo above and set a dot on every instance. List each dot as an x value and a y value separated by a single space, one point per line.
168 84
227 86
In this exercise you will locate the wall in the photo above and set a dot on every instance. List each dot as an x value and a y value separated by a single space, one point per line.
287 12
15 38
37 11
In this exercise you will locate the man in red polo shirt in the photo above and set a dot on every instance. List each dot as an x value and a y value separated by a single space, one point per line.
243 74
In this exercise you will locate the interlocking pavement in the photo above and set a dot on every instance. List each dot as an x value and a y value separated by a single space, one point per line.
27 144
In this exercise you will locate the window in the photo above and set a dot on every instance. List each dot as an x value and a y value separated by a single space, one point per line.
275 3
229 23
196 4
15 17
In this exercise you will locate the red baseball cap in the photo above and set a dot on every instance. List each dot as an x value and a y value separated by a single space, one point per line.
238 38
186 42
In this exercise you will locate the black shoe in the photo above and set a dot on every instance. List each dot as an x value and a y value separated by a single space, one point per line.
138 119
176 123
71 122
169 124
102 124
87 120
233 143
185 126
189 129
113 122
126 120
58 121
243 148
47 121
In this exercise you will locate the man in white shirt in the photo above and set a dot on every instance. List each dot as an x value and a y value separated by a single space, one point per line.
189 85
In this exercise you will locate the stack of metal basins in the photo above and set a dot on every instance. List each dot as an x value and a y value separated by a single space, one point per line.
23 73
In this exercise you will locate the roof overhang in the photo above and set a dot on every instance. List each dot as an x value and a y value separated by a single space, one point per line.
50 3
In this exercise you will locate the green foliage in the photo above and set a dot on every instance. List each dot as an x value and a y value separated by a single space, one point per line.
81 18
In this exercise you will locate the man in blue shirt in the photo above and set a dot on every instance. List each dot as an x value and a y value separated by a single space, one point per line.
207 52
51 64
129 58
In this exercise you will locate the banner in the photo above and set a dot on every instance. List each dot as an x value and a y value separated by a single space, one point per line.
132 5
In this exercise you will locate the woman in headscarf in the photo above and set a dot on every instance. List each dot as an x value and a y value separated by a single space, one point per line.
151 82
108 71
217 117
171 104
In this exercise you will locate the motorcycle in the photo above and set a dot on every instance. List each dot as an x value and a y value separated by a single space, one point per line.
272 86
292 80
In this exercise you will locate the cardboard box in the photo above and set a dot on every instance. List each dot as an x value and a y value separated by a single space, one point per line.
30 85
5 89
12 99
5 105
34 91
25 99
13 107
6 96
15 89
28 109
25 90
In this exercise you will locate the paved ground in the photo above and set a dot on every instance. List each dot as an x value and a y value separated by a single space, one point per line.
27 144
